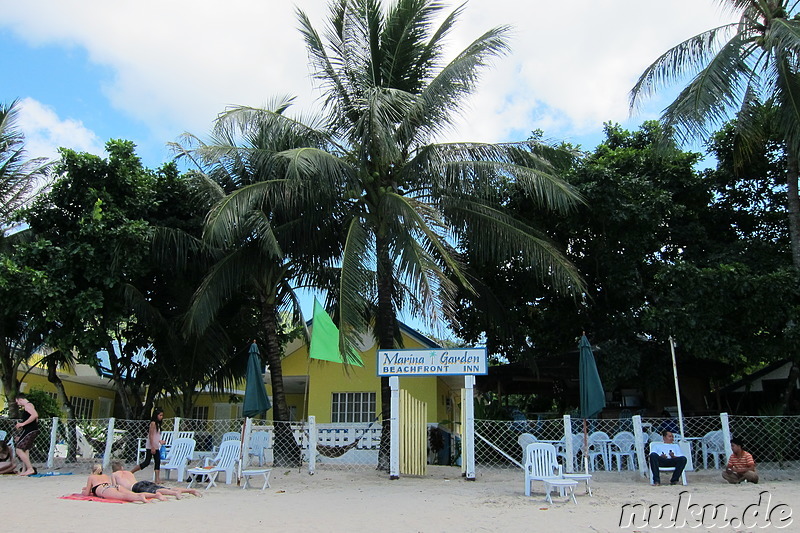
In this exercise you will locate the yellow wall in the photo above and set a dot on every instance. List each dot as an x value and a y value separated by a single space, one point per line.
35 379
326 377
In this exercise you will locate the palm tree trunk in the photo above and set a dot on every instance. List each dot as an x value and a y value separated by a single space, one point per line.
8 378
793 205
386 326
286 451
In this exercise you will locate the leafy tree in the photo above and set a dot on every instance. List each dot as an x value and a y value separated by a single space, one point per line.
665 250
407 202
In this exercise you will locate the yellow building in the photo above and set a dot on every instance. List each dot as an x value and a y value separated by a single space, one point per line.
333 392
92 395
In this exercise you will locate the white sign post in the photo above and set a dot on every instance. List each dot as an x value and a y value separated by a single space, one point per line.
465 362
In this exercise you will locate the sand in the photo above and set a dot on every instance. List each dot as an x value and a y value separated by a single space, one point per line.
334 501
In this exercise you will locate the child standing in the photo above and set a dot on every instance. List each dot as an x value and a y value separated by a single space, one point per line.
154 443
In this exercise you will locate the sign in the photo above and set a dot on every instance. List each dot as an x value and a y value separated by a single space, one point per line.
432 362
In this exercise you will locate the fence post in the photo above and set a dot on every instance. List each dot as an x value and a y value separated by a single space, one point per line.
51 453
394 429
568 444
726 435
638 438
109 443
176 427
312 445
468 444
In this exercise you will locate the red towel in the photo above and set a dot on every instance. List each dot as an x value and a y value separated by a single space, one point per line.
78 496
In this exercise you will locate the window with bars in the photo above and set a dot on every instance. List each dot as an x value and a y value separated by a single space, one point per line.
83 407
200 412
353 407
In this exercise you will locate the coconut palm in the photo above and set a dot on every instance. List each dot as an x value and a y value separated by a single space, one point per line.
731 68
19 175
268 231
407 202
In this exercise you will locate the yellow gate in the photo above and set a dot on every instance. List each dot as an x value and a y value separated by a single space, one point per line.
413 435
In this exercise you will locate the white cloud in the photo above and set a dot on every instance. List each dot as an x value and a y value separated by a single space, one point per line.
178 63
45 132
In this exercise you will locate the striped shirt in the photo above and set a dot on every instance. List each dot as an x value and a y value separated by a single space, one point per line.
743 463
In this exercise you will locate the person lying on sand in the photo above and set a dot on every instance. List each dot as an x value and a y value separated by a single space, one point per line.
101 486
125 478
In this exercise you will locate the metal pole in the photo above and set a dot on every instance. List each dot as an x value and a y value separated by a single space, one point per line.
677 388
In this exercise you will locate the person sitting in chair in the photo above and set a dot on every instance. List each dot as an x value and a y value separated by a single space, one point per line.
741 466
670 456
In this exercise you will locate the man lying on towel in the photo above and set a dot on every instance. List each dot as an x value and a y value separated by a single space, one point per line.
125 478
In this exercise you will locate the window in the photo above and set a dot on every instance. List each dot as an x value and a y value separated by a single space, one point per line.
353 407
83 407
200 412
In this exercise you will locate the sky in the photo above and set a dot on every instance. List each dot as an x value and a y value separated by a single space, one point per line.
87 71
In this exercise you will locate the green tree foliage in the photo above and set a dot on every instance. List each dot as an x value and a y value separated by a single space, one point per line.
665 250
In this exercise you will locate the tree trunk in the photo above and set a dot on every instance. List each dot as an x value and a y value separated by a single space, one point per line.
791 387
793 206
72 437
386 326
8 377
286 451
119 382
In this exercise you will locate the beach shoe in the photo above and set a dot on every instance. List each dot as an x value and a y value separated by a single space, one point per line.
674 482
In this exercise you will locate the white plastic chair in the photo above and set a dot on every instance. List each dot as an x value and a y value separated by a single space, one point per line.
598 447
622 446
180 454
577 447
541 465
225 461
524 439
713 444
658 447
259 442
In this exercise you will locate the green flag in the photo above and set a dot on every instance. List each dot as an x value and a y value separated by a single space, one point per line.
325 339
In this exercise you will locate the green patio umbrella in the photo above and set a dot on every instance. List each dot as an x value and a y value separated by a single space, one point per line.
256 401
593 398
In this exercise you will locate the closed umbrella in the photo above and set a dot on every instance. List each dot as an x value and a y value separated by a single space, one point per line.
593 398
256 403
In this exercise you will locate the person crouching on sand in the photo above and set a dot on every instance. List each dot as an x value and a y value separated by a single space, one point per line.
101 486
126 479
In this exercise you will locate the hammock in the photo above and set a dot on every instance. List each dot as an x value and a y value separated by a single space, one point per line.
338 451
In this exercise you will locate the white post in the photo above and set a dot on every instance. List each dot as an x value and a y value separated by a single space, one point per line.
312 445
394 429
726 434
638 437
244 448
176 427
52 452
677 388
568 444
109 444
469 428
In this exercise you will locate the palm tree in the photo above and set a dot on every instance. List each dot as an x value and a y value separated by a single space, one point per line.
734 67
20 333
269 233
731 69
407 202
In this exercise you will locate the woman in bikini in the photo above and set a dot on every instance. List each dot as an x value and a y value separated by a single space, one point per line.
6 459
101 486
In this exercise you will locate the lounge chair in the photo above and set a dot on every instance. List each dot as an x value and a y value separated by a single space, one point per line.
541 465
179 456
225 461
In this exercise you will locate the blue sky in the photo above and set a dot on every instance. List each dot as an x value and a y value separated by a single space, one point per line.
147 71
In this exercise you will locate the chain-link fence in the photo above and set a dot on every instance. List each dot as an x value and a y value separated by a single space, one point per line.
622 444
613 444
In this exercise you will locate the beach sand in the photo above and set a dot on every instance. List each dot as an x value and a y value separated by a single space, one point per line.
335 501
